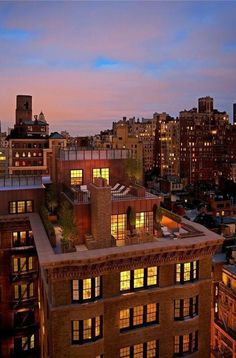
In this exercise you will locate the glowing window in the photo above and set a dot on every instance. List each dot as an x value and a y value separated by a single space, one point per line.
138 278
76 177
141 350
185 344
87 289
144 221
86 330
139 316
118 227
186 272
101 173
20 206
125 280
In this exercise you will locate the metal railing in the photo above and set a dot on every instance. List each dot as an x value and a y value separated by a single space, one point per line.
20 181
96 154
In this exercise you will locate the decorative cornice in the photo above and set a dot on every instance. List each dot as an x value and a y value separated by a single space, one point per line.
125 264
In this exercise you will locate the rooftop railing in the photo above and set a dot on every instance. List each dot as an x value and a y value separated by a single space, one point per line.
20 181
96 154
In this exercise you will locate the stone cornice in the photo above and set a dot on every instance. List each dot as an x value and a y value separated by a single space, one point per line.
122 264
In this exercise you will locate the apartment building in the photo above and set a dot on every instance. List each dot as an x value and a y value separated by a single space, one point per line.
137 285
207 143
224 325
19 310
31 148
166 146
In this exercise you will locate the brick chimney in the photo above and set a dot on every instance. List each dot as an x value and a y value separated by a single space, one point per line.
100 198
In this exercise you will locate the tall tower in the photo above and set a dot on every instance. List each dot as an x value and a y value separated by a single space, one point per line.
205 104
23 108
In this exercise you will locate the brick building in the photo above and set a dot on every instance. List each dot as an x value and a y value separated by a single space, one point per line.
224 325
166 146
127 291
207 143
31 148
19 311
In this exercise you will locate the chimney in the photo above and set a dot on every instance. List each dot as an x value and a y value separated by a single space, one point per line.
100 198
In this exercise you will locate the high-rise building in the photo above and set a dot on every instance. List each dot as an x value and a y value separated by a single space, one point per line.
166 146
205 152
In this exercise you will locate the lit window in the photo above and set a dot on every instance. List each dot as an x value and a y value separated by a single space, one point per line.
101 173
118 227
185 344
86 330
23 291
144 221
76 177
141 350
19 207
139 316
87 289
139 278
186 272
185 308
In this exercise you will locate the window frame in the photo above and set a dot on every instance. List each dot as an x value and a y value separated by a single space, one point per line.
192 308
78 179
14 207
81 290
145 349
146 278
145 322
182 271
81 330
101 174
179 350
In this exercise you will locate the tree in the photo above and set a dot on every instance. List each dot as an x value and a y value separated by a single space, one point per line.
52 198
66 220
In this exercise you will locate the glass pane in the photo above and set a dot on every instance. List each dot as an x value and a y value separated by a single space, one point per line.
125 280
152 276
138 278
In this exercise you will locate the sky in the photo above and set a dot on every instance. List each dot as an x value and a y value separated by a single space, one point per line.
89 63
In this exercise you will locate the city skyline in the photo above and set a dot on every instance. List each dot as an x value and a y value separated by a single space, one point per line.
88 64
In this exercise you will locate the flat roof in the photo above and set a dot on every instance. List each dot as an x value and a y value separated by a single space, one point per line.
48 258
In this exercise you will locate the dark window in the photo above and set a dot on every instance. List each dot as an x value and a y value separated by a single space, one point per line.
186 308
186 272
86 330
139 316
185 344
139 279
88 289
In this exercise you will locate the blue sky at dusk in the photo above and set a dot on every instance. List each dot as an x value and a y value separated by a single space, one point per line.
87 64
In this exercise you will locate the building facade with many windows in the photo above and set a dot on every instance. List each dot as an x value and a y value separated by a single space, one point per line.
145 296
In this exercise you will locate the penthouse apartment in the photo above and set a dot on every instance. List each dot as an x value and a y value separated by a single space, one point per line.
137 282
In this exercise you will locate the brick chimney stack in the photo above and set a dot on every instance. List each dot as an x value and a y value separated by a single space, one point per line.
100 197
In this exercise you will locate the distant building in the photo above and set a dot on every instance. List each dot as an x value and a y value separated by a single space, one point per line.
30 145
207 143
166 147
